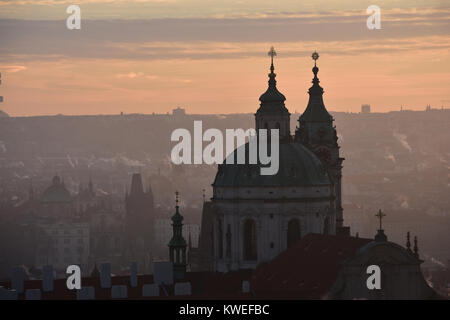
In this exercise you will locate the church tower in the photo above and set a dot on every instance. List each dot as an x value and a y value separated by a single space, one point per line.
272 113
177 245
139 224
317 132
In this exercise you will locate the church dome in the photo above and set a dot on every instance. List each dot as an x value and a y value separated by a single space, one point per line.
56 193
298 167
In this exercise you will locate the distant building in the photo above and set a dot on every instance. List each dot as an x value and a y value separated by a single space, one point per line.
365 108
179 112
139 222
62 244
56 201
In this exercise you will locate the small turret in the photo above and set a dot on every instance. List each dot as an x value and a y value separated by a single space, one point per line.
177 245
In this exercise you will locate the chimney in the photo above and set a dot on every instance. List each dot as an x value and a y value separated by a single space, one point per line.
18 276
33 294
6 294
245 286
163 272
86 293
133 275
119 292
47 279
105 275
183 289
150 290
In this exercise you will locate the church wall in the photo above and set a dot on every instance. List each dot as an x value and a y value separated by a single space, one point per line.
271 224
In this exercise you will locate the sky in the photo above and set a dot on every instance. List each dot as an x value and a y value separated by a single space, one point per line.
210 56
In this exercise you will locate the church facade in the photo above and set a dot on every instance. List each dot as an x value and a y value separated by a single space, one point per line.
256 217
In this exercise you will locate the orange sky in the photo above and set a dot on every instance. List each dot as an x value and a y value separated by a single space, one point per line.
406 63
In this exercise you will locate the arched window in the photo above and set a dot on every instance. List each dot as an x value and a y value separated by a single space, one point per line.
293 233
326 225
220 238
250 240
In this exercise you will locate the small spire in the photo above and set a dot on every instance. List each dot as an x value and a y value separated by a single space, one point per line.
176 198
204 196
408 242
416 248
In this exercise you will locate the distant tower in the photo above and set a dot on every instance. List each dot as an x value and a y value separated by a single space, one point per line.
365 108
317 132
272 113
139 223
177 245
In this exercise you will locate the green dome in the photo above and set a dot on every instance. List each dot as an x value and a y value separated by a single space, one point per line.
56 193
298 166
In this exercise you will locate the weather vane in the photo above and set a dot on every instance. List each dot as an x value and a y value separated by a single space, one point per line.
315 56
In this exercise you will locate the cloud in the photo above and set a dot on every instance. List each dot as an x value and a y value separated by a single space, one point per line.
130 75
209 38
12 69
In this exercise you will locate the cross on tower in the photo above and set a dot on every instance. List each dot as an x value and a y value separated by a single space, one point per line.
176 197
380 216
272 53
204 195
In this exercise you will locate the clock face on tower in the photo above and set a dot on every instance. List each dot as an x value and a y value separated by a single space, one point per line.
324 154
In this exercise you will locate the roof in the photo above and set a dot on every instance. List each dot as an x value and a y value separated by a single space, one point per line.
307 270
272 101
205 285
315 111
298 166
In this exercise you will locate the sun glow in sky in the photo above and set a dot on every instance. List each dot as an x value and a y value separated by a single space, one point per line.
144 56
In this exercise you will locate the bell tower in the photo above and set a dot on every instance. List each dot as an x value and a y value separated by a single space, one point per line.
272 113
317 132
177 245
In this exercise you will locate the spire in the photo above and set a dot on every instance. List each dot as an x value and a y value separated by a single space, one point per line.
272 100
204 196
177 245
272 113
136 184
408 242
315 111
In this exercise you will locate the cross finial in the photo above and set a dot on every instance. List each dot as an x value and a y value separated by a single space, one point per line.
204 195
380 216
176 197
272 53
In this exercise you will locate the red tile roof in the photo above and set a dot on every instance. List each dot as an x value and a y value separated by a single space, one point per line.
307 270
